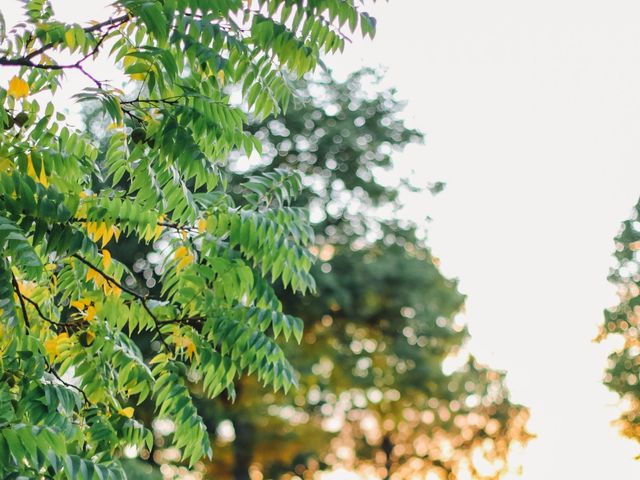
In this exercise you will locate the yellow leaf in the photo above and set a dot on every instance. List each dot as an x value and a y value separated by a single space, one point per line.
6 164
27 288
96 396
128 59
180 252
191 349
18 88
157 232
202 225
91 312
31 171
79 304
126 412
106 259
43 178
161 357
100 232
221 77
182 341
108 233
184 262
52 346
91 275
90 337
70 38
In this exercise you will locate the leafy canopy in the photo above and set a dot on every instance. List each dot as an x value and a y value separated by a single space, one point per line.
72 372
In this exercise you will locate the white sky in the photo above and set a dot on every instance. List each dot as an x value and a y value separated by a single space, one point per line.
532 115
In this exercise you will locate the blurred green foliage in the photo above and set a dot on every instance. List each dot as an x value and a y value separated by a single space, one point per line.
623 371
374 393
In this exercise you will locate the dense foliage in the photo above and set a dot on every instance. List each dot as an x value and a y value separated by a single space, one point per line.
71 367
623 372
374 393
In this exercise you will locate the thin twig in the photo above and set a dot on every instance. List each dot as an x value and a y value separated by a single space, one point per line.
143 299
169 100
42 315
53 372
174 226
26 61
184 320
22 305
116 22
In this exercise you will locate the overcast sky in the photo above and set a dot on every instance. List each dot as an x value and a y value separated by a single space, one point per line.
532 116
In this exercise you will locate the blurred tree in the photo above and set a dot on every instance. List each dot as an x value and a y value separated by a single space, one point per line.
623 372
374 392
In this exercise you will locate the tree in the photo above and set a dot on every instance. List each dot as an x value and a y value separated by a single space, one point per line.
372 379
622 375
72 370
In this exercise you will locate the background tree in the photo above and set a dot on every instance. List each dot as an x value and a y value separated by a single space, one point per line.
373 392
71 368
622 375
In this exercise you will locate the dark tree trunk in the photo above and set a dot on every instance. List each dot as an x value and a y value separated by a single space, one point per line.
243 448
387 448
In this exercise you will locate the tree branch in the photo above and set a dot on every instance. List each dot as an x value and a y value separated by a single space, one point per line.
191 321
20 297
27 61
143 299
112 22
53 372
42 315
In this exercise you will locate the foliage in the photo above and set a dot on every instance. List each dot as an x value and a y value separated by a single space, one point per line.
72 370
622 375
374 393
